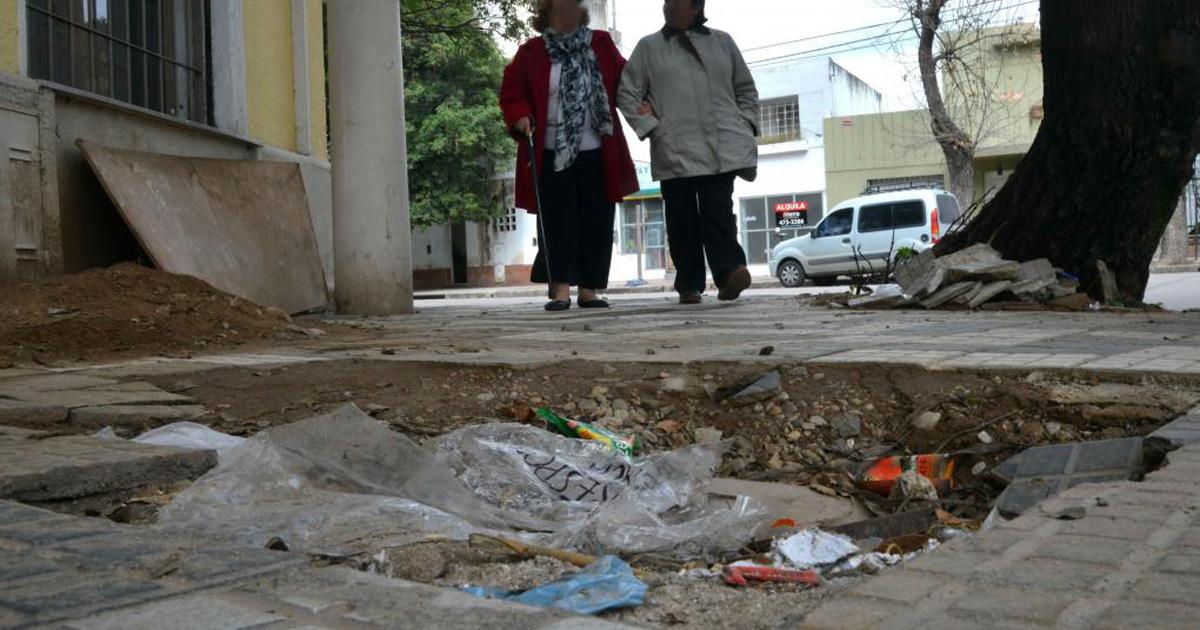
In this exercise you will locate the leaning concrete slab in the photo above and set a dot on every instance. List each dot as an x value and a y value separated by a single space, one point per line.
241 225
33 469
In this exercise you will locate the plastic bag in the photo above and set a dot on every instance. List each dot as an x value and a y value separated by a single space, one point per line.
345 483
191 435
605 584
604 501
337 484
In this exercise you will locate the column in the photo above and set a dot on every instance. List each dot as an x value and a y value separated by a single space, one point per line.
371 235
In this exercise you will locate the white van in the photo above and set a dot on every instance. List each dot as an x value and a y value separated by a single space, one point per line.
870 227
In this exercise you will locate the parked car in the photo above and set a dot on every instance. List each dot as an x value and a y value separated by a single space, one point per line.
871 228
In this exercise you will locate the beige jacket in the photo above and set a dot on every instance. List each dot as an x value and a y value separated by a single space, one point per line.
705 109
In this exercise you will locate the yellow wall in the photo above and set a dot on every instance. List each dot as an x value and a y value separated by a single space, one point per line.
9 52
269 85
316 73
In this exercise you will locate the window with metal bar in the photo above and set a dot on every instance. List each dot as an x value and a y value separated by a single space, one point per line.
779 119
149 53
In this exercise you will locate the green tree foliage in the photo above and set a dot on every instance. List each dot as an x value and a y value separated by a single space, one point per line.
456 137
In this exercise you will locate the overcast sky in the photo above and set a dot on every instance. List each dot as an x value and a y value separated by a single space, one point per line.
883 62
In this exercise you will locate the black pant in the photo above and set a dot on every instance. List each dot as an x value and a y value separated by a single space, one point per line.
575 229
700 222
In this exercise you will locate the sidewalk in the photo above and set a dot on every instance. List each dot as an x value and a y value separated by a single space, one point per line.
537 290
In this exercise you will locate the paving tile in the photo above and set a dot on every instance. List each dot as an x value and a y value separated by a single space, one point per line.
198 612
57 597
1017 605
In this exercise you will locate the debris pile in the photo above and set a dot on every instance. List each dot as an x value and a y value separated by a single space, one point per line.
976 277
128 310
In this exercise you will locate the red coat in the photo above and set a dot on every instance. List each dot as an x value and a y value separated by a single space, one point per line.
526 92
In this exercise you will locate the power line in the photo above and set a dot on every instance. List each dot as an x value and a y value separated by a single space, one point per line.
837 48
820 36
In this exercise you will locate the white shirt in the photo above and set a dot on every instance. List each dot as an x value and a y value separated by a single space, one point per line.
589 139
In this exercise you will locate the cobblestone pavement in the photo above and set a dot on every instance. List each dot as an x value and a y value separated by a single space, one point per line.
90 574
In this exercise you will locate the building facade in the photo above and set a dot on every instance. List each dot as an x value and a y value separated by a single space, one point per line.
877 151
232 79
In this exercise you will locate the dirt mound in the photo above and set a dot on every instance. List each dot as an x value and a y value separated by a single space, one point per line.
126 310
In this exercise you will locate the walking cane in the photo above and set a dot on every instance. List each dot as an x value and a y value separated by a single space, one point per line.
537 195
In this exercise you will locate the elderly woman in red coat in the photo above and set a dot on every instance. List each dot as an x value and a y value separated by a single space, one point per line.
561 88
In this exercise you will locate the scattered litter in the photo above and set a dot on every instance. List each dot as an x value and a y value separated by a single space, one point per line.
985 437
606 584
626 445
191 435
182 435
911 486
740 573
766 351
881 475
813 548
530 551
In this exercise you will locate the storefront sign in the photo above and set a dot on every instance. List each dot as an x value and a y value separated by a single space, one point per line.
804 211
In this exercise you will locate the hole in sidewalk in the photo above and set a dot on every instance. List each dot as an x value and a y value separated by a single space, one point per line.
819 430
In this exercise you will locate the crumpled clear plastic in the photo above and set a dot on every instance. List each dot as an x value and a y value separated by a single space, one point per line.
345 483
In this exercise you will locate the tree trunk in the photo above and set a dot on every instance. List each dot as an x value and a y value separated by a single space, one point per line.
1173 246
956 145
1122 128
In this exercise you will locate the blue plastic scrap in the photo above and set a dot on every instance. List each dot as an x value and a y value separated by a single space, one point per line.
605 584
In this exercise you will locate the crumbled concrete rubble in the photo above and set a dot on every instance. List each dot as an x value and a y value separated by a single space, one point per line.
976 277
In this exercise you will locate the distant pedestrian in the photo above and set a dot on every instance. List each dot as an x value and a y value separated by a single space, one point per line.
688 89
561 89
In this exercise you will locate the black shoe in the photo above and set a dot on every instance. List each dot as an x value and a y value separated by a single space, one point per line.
556 306
690 297
593 303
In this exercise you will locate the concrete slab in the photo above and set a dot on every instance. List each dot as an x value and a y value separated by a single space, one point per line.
132 415
24 412
70 467
241 225
1182 430
1037 473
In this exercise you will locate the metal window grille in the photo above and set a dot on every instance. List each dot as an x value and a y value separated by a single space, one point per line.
779 119
149 53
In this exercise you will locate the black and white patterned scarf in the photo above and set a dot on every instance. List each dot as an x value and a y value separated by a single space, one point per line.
580 91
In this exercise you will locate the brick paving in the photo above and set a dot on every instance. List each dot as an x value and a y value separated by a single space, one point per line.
1132 560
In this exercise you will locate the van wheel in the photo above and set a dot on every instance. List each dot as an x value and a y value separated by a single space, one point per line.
791 274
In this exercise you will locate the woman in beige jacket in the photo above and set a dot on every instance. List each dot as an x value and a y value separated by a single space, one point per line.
688 89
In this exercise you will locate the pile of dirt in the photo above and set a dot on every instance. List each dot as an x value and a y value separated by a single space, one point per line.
127 310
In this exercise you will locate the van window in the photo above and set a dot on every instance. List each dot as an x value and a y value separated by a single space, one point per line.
836 224
887 216
948 211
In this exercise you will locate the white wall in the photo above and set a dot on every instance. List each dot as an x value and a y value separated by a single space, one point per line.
431 247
